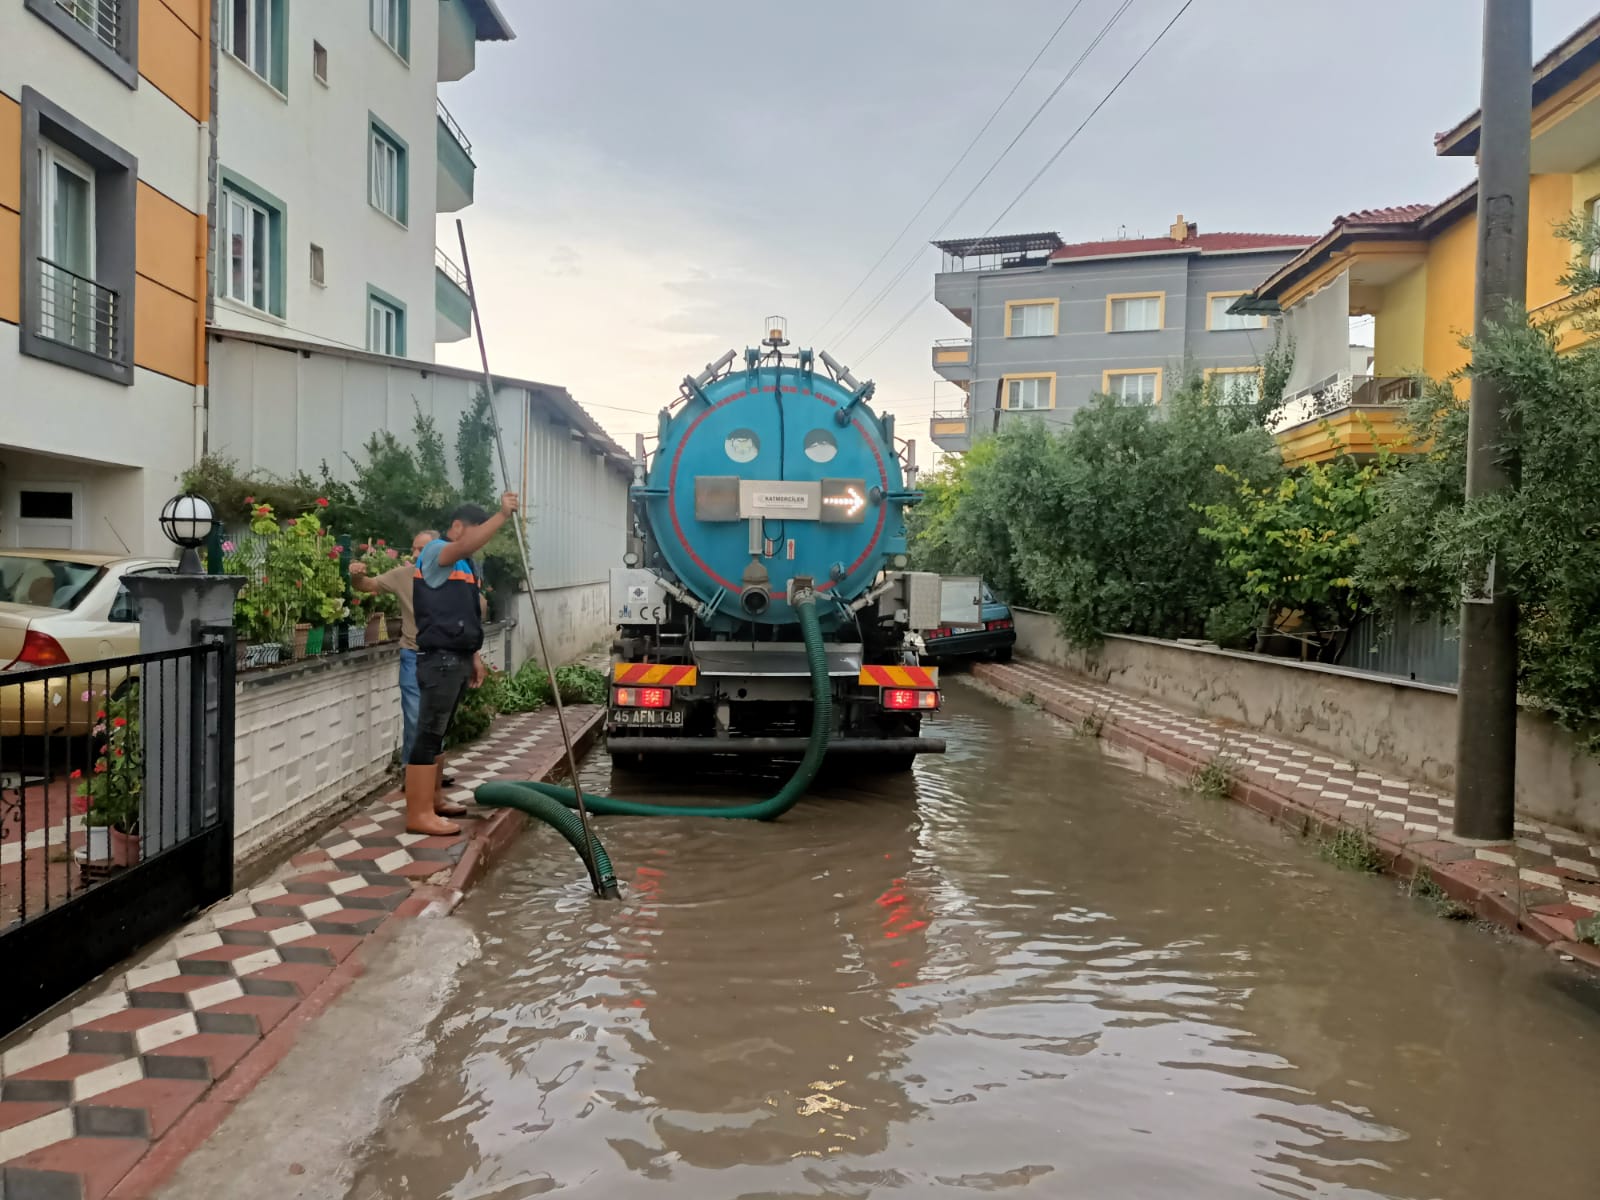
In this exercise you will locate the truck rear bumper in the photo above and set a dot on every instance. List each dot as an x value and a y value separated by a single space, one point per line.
771 745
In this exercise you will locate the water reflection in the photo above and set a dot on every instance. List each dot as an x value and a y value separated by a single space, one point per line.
1026 968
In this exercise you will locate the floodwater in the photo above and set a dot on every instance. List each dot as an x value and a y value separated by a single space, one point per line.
1028 969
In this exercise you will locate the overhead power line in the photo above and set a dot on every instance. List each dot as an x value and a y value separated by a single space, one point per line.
916 254
954 167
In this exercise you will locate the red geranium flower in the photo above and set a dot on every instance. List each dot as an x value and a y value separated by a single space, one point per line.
101 715
80 804
249 499
77 775
322 502
118 752
120 722
292 522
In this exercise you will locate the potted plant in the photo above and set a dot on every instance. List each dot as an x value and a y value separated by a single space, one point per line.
109 796
381 608
259 610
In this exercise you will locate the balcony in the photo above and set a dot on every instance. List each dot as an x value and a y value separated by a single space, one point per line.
951 431
80 313
1360 413
952 359
452 307
456 168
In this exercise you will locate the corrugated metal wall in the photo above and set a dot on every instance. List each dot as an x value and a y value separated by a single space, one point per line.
1424 651
288 410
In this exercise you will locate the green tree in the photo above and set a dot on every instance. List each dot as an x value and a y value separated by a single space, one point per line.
1293 544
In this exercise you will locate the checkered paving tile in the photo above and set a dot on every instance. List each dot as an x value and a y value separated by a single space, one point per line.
84 1094
1552 873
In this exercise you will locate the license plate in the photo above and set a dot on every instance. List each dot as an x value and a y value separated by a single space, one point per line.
672 717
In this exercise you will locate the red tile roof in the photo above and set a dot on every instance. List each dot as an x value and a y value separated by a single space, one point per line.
1397 214
1208 243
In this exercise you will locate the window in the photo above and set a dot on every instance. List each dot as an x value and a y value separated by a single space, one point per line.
253 32
386 324
70 311
319 62
317 276
1031 318
250 246
386 172
1028 393
1129 314
1594 224
1218 317
1234 385
1133 387
106 30
123 607
78 239
391 21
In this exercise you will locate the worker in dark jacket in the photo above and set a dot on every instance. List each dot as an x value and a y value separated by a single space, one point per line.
446 598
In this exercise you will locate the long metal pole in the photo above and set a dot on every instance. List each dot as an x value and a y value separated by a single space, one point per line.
527 572
1486 706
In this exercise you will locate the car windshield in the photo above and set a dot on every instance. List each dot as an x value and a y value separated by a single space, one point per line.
988 596
45 582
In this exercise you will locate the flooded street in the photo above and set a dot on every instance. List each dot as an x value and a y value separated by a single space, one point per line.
1026 968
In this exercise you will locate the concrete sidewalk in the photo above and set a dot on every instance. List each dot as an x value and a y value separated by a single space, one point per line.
107 1098
1538 885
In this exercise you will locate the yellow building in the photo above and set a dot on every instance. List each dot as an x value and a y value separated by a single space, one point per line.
105 142
1413 269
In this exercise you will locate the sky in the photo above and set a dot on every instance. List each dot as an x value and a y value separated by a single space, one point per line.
655 177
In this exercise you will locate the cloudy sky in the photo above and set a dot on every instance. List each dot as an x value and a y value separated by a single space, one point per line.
656 176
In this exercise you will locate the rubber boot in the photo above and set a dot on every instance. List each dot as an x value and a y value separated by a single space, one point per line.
443 807
422 793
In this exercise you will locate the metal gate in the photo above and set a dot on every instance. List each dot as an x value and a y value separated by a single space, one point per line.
116 811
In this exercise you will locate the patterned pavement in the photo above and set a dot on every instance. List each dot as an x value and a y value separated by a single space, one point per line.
85 1095
1540 884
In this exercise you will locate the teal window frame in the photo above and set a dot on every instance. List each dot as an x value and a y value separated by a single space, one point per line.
377 296
376 129
278 241
402 43
277 75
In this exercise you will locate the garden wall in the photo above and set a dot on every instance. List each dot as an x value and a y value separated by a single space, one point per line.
1390 724
316 735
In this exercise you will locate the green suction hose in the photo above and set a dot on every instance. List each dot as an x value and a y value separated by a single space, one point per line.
552 803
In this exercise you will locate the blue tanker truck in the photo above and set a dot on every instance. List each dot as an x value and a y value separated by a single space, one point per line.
771 488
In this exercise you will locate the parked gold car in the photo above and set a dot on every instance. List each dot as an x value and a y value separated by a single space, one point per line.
59 607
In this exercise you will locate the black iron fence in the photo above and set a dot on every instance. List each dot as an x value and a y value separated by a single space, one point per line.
116 811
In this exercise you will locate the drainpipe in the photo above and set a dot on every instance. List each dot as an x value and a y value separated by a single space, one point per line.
205 202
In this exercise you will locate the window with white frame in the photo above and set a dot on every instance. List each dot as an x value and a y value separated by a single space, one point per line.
251 250
386 327
1220 318
1134 387
252 31
387 182
1594 225
1031 320
1027 395
1130 314
70 302
1241 386
390 19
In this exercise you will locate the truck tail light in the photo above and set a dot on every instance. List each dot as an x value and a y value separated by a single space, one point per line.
642 697
40 650
933 635
909 699
999 625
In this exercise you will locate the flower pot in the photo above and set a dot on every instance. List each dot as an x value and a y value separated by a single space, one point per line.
242 650
394 628
376 630
302 641
313 644
124 848
97 845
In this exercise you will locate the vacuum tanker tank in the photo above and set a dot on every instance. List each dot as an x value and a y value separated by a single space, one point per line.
770 473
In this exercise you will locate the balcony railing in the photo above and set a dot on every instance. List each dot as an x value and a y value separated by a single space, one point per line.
455 129
103 18
1358 391
79 312
446 264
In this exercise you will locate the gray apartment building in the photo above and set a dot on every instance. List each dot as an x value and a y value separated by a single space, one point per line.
1052 324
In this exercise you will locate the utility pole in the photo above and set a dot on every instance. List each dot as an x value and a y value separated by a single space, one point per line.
1486 705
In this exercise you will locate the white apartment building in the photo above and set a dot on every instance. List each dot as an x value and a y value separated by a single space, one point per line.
335 154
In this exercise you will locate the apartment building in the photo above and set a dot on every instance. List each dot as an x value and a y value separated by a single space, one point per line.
105 112
335 154
1051 324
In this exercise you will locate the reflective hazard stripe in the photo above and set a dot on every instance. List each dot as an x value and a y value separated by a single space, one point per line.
659 674
901 677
